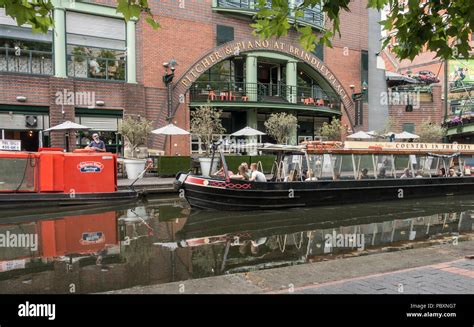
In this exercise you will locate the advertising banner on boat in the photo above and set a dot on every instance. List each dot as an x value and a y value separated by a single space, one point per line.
453 147
10 145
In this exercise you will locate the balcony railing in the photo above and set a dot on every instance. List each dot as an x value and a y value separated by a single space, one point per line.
19 60
96 67
312 16
240 92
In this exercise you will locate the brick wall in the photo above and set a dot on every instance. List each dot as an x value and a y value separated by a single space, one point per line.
431 111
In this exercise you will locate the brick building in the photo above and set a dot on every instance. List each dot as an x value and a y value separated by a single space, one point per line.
95 69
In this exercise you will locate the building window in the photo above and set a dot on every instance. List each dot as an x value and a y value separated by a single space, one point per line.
22 51
95 46
409 127
224 34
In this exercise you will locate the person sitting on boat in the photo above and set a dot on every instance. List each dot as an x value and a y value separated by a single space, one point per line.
221 173
246 166
242 174
419 174
382 173
406 173
256 175
364 174
96 144
442 172
452 173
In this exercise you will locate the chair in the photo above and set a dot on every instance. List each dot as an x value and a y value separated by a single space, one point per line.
308 101
211 95
319 102
224 95
232 97
245 98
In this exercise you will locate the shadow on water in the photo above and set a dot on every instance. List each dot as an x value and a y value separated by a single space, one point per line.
96 249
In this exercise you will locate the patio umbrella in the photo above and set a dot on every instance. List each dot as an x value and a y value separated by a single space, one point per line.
406 136
170 130
67 126
360 135
249 131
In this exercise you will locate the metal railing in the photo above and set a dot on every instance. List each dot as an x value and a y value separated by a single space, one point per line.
313 16
96 67
217 91
19 60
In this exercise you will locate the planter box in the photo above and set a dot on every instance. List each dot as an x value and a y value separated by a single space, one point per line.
169 166
267 162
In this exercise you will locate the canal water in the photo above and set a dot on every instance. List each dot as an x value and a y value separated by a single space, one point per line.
163 240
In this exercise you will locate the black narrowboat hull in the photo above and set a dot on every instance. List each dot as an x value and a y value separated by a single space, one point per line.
41 200
217 194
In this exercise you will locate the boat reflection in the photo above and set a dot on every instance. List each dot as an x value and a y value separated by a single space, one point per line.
160 242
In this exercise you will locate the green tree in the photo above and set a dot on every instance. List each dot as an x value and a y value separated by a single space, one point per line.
442 26
206 121
135 130
389 127
280 126
332 131
430 132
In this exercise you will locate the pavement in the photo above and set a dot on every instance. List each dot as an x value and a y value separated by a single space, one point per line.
149 185
438 269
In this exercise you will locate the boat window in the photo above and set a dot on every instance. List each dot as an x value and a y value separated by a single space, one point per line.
343 168
18 174
422 166
467 162
321 166
385 166
403 166
293 168
365 166
441 164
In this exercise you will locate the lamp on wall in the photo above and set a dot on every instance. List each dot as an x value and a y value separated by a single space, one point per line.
170 67
100 103
21 98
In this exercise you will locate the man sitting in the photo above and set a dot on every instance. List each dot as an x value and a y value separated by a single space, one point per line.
256 175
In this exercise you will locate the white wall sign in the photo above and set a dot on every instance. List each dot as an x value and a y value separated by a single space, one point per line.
10 145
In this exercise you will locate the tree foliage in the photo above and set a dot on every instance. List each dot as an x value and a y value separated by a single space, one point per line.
39 13
280 126
206 121
135 130
332 131
389 127
430 132
442 26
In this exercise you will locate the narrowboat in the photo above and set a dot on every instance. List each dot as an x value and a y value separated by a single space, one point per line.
51 178
328 173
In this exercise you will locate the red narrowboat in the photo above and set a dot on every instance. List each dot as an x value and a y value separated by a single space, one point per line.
51 177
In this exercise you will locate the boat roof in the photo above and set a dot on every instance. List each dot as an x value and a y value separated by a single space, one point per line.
401 148
269 147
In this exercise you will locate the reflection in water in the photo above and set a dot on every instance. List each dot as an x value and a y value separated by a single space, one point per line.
164 241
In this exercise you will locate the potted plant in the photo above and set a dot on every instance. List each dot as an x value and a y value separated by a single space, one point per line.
281 126
135 131
206 121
